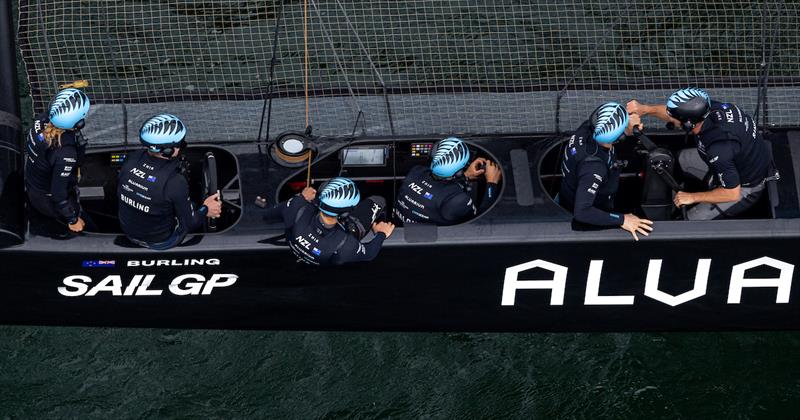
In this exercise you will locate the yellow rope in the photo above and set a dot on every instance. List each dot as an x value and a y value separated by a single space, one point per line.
78 84
308 174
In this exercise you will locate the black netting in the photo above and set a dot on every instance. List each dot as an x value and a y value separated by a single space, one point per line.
408 66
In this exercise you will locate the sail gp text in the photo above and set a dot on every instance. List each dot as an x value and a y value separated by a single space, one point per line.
147 284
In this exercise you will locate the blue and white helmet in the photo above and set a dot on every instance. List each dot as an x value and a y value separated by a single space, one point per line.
68 108
161 131
689 105
450 156
337 196
609 121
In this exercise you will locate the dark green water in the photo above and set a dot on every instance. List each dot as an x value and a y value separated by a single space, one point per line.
115 373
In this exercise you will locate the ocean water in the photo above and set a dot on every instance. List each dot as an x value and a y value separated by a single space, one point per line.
48 372
88 373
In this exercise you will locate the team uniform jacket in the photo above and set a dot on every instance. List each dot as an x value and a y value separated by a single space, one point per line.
52 172
590 180
154 199
316 244
424 199
732 147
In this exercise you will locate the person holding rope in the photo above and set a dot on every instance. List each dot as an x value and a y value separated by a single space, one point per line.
326 229
731 157
54 153
439 194
590 174
155 210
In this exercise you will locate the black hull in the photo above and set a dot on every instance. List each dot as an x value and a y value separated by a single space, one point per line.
415 289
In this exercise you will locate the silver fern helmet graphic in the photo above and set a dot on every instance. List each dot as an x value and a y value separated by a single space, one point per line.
690 104
449 157
162 130
338 195
609 121
68 108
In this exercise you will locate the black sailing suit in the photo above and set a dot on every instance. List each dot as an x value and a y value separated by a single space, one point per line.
155 209
422 198
590 180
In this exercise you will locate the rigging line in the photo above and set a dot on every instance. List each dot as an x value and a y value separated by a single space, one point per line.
372 66
308 171
575 76
270 86
763 65
305 49
329 38
766 63
114 63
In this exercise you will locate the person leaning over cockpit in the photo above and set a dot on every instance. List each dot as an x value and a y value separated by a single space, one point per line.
730 154
590 176
329 231
54 154
439 194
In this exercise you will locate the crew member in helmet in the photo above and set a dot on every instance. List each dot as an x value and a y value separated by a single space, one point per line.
328 230
54 153
155 210
590 176
730 155
439 194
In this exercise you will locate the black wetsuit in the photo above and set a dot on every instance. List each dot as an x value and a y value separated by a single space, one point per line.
51 173
590 180
155 209
732 147
425 199
317 244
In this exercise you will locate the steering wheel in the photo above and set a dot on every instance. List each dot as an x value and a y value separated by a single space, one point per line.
210 186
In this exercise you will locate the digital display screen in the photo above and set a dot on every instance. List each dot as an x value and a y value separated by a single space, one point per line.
364 156
421 149
117 159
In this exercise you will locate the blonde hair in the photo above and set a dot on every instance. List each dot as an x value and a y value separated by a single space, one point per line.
52 134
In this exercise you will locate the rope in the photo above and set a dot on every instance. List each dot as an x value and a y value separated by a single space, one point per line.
305 48
308 173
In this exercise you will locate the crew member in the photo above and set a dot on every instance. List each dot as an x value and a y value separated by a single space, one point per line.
730 154
440 194
54 152
328 231
590 176
155 210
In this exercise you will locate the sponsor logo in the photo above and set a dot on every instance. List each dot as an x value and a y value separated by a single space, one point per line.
738 283
143 285
173 263
135 204
136 184
98 263
69 159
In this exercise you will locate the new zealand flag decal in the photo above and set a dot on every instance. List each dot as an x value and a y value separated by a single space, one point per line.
316 251
98 263
428 195
151 178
